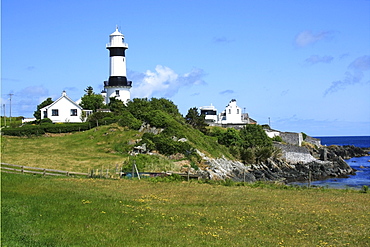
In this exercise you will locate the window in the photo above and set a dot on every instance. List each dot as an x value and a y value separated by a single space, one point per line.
55 112
73 112
237 111
117 92
45 114
229 111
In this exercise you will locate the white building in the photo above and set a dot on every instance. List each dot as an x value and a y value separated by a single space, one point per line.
232 115
64 110
117 85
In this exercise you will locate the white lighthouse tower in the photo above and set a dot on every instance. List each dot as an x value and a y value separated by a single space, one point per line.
117 85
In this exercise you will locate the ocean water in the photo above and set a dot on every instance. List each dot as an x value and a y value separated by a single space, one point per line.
361 164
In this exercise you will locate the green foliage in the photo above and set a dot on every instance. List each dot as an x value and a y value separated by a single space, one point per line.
168 146
196 120
304 135
128 120
253 135
166 179
230 138
158 118
37 113
30 130
277 139
91 101
216 131
248 155
98 116
148 163
364 189
46 121
115 105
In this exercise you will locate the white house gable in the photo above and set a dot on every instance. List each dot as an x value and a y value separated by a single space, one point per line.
62 110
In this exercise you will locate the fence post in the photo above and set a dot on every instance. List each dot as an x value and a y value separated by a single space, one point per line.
44 172
67 174
22 169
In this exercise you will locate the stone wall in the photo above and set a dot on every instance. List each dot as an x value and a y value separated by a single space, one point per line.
313 141
295 154
292 138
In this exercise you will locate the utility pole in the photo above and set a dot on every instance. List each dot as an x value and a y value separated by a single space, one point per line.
4 115
10 100
269 123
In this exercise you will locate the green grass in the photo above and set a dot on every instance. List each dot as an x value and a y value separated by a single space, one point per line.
46 211
105 146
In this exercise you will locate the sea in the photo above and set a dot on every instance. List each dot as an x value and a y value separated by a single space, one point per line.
361 164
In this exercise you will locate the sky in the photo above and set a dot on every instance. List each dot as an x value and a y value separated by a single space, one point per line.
302 66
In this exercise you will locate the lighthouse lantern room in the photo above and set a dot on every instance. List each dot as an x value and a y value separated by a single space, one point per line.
117 85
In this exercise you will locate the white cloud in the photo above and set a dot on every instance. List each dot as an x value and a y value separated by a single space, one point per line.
317 59
308 37
354 75
163 82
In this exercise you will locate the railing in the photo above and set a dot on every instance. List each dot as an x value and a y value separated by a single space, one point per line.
92 173
10 168
124 45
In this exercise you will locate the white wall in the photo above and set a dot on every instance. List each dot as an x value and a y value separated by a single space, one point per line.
124 93
64 107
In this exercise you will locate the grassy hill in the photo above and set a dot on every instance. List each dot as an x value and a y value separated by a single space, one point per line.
104 146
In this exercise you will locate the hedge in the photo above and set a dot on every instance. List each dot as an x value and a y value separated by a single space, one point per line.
29 130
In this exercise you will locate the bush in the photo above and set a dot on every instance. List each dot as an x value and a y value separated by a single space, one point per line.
29 130
253 135
158 119
364 189
26 130
277 139
128 120
46 121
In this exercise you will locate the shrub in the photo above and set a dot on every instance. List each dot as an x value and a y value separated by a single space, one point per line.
277 139
128 120
46 121
364 189
253 135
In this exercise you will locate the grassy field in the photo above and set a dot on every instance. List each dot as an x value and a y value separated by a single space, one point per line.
93 149
46 211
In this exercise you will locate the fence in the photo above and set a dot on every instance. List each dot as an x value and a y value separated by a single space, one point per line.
92 173
10 168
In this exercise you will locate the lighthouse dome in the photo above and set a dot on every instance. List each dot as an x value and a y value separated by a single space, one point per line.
116 33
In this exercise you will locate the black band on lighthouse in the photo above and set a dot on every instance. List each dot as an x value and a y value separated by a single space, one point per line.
116 51
119 81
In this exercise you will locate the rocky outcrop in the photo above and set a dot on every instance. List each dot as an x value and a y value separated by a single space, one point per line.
346 152
297 164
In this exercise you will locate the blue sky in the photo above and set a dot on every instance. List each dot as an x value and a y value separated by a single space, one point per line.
303 64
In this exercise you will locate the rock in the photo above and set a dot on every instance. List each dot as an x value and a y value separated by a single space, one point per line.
297 164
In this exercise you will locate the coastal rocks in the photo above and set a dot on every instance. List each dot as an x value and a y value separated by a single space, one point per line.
346 152
296 164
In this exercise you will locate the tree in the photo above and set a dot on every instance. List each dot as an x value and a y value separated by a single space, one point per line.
91 101
196 120
116 105
230 138
89 90
37 113
253 135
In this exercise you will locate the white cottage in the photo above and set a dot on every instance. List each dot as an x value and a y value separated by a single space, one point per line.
64 110
231 116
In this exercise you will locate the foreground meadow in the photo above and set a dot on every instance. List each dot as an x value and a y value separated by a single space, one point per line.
42 211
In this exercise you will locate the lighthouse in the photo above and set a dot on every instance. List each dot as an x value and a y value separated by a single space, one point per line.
117 85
